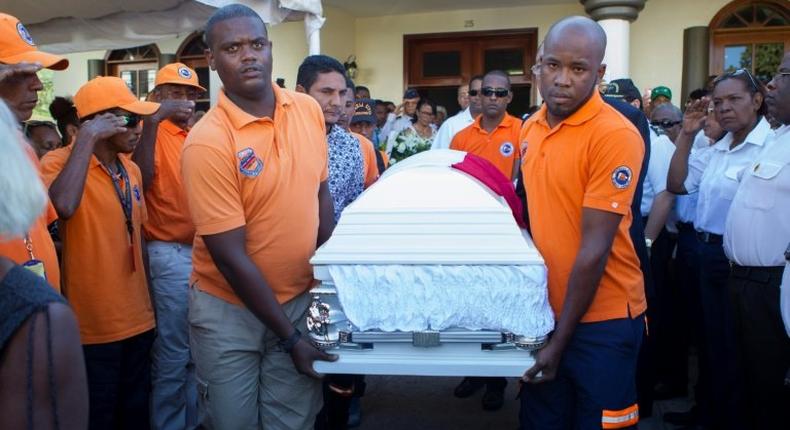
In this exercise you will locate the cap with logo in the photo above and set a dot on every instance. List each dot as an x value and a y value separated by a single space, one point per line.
179 74
623 89
109 92
661 91
364 111
16 46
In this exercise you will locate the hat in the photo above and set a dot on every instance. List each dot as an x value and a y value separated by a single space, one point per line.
363 111
178 74
411 93
623 89
107 92
660 91
16 46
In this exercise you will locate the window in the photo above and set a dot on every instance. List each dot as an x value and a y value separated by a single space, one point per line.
137 67
752 35
192 53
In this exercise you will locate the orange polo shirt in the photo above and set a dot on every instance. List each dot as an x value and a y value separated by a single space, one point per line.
499 147
590 160
261 174
168 213
109 298
368 158
43 247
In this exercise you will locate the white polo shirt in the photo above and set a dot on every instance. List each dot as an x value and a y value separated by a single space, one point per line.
758 225
717 180
450 128
661 150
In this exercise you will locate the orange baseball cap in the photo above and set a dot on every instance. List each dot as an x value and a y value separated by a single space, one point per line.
178 74
16 46
108 92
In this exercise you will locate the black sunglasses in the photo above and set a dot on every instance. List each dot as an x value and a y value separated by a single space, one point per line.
131 120
473 93
499 92
755 85
666 123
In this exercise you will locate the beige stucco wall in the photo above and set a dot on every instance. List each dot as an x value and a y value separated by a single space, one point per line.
656 41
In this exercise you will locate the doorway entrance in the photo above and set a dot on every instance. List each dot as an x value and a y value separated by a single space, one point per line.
436 64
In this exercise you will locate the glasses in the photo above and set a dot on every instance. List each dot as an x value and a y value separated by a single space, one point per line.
131 120
666 123
474 93
499 92
755 85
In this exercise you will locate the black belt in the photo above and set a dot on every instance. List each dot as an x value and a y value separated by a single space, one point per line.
705 237
685 226
762 275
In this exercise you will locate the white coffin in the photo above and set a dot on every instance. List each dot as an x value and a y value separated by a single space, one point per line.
430 249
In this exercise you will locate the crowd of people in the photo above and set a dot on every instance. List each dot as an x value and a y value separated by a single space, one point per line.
154 261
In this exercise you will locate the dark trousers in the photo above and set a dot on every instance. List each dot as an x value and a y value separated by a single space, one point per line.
687 272
119 382
595 383
763 345
719 338
338 392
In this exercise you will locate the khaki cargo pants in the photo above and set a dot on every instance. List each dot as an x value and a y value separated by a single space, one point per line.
245 381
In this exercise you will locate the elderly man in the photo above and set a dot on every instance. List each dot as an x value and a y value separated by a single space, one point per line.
403 116
756 241
19 87
463 96
580 167
462 119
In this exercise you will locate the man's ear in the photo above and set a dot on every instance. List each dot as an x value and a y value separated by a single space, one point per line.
601 72
300 89
210 58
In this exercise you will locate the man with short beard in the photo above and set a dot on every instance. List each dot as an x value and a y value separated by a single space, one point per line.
580 167
255 172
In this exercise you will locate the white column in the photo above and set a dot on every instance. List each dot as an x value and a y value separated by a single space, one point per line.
617 48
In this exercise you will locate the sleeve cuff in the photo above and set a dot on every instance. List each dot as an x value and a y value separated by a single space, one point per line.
607 205
220 226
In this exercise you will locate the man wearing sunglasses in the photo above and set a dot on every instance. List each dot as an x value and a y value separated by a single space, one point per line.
98 193
19 87
494 134
169 233
756 238
462 119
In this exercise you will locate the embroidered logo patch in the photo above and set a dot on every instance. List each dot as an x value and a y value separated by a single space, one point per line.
184 72
249 163
506 149
24 34
621 177
136 191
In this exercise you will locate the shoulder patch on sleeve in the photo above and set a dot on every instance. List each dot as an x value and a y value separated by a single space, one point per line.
621 177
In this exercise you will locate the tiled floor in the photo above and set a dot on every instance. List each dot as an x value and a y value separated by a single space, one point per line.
416 403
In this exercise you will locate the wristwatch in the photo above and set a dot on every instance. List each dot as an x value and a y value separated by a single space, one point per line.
648 243
288 343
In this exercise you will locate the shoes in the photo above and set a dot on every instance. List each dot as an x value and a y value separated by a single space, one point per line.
666 392
493 400
688 418
467 387
354 413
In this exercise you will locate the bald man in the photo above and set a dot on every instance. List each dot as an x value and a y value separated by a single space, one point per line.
581 163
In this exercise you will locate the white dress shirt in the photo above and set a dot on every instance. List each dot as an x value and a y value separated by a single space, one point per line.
451 127
686 204
717 180
758 224
700 140
395 124
661 150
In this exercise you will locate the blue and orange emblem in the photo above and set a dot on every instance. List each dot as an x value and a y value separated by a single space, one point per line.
249 163
621 177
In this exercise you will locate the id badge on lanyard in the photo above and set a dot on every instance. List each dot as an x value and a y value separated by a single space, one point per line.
34 265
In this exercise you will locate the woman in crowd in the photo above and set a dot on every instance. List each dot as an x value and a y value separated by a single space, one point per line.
418 137
738 106
42 373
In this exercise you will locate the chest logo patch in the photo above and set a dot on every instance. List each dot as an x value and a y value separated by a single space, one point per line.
249 163
621 177
506 149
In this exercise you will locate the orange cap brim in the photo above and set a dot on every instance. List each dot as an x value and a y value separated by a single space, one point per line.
48 61
141 107
180 82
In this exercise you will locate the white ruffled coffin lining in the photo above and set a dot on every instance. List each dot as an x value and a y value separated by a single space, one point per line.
436 297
